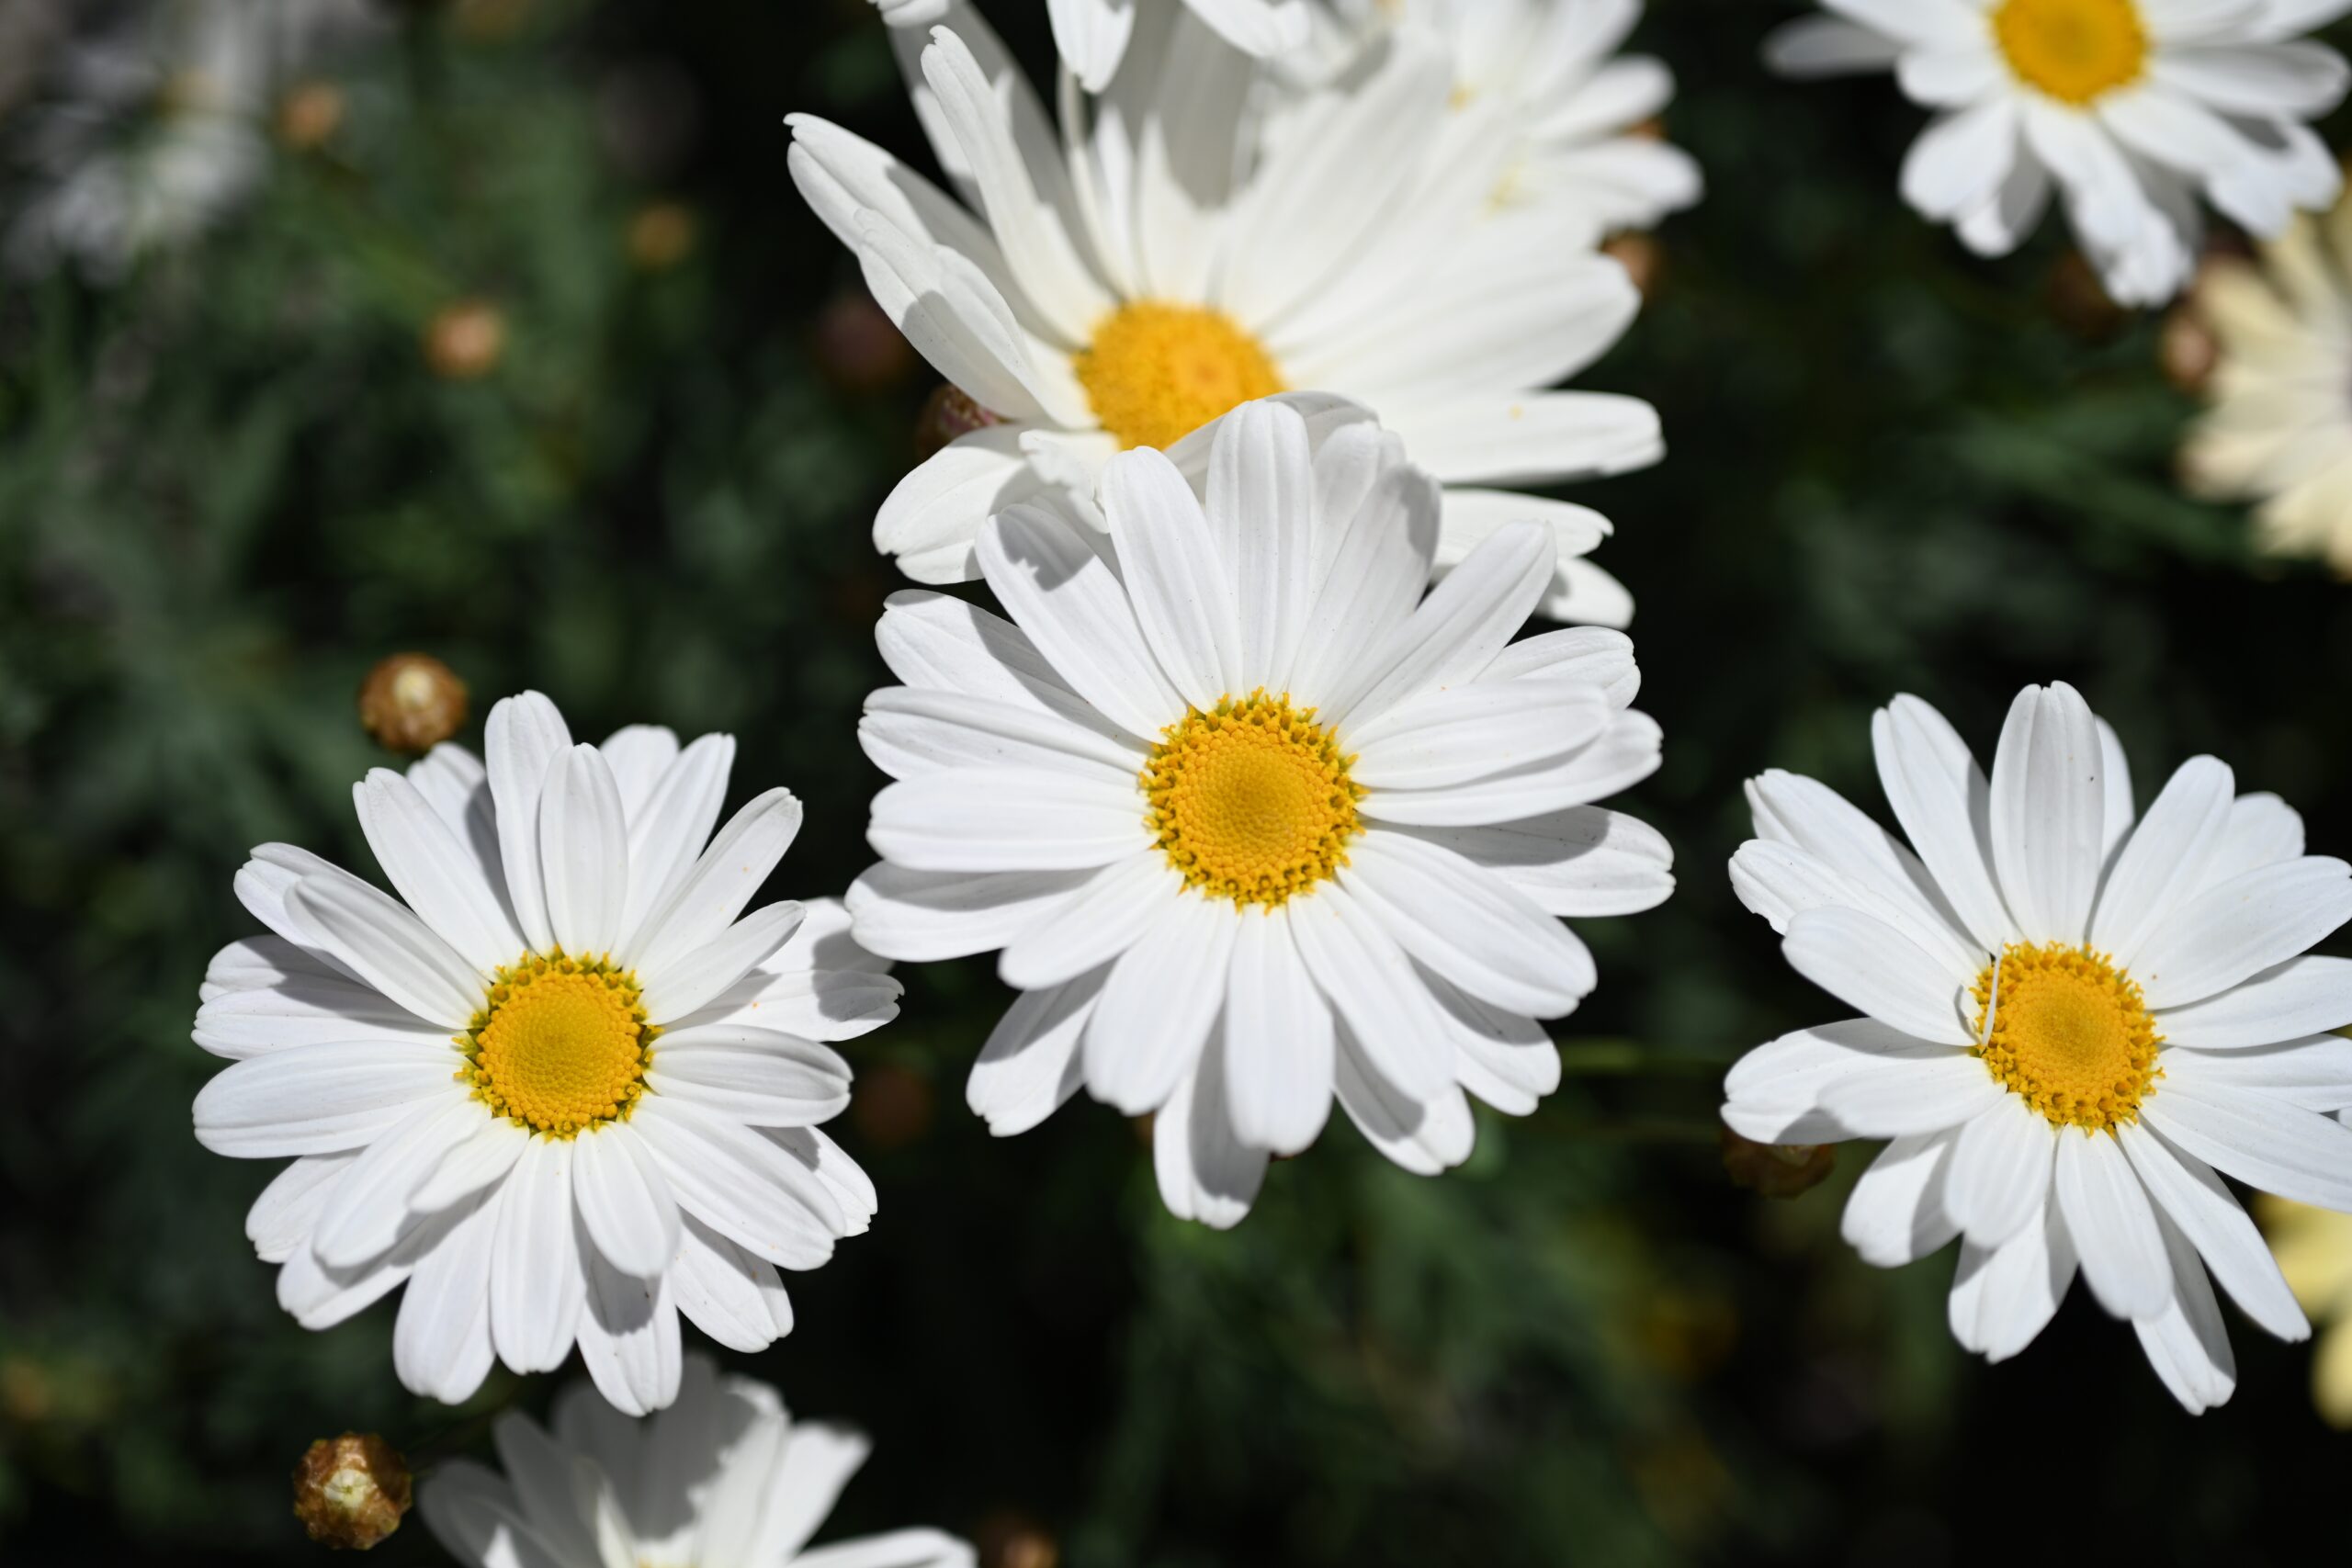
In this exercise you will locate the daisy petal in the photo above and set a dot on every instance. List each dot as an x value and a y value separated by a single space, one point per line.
1279 1039
624 1204
2246 925
2048 811
537 1288
2302 995
1030 1066
1896 1214
2001 1172
2195 1201
524 738
2109 1216
1158 1004
583 847
2265 1143
1870 964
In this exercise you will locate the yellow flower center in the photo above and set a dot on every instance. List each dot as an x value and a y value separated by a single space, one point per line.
1156 373
562 1046
2075 51
1252 802
2069 1032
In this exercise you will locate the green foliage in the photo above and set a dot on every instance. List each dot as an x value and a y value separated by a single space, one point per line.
230 484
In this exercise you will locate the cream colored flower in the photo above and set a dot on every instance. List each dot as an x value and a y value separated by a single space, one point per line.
2314 1251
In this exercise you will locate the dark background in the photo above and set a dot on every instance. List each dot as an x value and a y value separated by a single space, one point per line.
231 482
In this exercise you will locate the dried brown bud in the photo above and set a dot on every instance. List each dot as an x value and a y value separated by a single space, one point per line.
2079 302
1776 1171
490 21
412 702
661 235
1643 258
948 413
857 347
892 1106
1011 1540
2187 349
350 1492
309 114
466 340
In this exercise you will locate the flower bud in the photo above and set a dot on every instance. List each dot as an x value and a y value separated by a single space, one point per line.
1010 1540
350 1492
309 114
948 413
661 236
465 341
1643 258
1776 1171
412 702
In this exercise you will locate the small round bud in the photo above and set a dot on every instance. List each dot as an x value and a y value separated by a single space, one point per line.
412 702
1010 1540
1776 1171
2187 349
949 413
661 235
465 341
1643 258
350 1492
891 1107
309 114
857 347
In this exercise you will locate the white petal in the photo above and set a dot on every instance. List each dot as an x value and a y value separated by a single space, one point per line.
441 1344
488 1153
1425 1138
2187 1343
536 1284
909 733
1066 596
669 827
723 879
1451 734
1181 593
757 1076
1912 1096
523 738
388 947
1158 1004
740 1184
1370 986
1774 1092
1454 634
2163 861
2195 1201
625 1206
733 1297
1279 1038
1943 800
899 1548
2302 995
1375 550
1872 965
1592 655
440 878
1008 820
628 1338
2262 830
318 1100
641 756
288 1210
2001 1299
2000 1171
1094 924
1469 925
1030 1066
2265 1143
690 981
1896 1214
2314 1072
583 848
1260 501
2246 925
370 1207
1206 1173
2049 807
923 916
1584 861
2113 1226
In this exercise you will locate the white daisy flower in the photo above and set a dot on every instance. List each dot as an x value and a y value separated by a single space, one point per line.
156 127
2128 107
1579 106
2073 1022
568 1090
1093 35
1252 820
2279 431
723 1479
1156 262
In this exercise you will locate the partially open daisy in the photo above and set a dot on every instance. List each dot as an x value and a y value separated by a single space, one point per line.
1093 36
2127 107
1160 261
1579 108
2072 1024
723 1479
1252 820
565 1091
2279 431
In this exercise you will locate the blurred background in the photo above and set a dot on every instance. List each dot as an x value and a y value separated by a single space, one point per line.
505 339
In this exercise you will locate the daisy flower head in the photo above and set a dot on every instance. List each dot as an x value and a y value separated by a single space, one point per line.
2278 431
2125 110
563 1087
725 1478
1093 36
1252 821
1162 257
1582 111
2073 1020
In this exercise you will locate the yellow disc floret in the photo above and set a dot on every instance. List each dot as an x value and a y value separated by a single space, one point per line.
1154 374
562 1046
1251 801
2075 51
2069 1032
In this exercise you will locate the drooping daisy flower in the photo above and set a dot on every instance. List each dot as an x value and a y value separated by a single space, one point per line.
2314 1250
1092 36
723 1479
154 126
567 1089
1578 107
2127 108
1174 266
2072 1024
1252 821
2279 431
